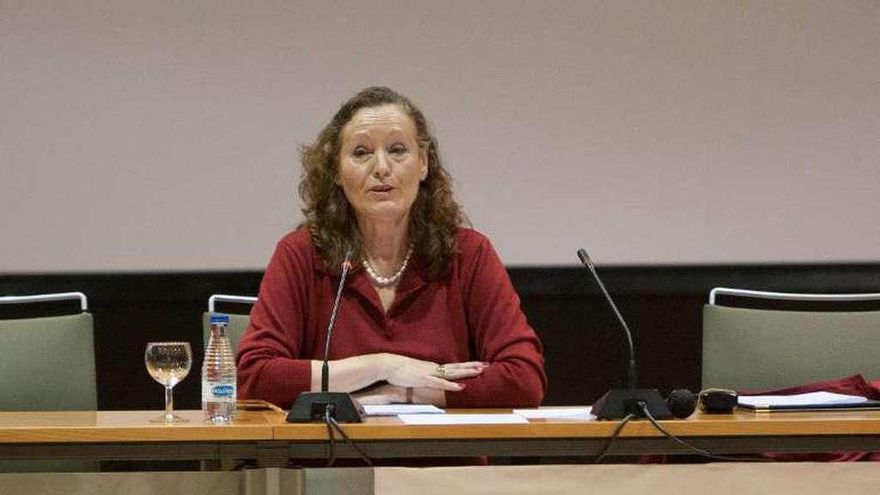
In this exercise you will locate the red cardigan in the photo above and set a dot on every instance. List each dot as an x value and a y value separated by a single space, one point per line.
473 314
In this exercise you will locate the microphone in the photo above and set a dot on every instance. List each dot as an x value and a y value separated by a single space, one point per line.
315 406
631 371
681 402
618 403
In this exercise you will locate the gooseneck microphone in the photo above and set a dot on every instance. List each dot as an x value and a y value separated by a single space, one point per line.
325 367
631 379
317 406
619 403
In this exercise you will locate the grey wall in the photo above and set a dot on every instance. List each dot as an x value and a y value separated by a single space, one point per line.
162 135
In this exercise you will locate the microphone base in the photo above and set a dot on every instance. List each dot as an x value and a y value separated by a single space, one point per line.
311 406
618 403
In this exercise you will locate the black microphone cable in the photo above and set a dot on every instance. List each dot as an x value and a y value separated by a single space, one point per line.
602 453
696 450
647 413
331 439
332 421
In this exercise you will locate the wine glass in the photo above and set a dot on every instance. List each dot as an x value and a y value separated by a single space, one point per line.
168 363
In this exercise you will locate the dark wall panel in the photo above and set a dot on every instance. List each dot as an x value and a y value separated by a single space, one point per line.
584 347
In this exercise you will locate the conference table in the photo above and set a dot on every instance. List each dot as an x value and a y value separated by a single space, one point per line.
263 438
273 451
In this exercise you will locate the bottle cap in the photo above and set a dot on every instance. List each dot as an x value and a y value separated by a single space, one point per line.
219 319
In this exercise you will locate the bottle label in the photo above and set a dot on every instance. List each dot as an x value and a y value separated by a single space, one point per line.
219 319
218 392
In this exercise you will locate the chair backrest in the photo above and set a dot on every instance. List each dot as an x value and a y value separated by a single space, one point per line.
746 348
47 363
237 322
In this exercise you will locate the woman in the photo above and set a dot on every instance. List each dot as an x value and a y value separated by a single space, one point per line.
428 313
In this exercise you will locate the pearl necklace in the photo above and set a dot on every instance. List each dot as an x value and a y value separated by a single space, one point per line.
387 281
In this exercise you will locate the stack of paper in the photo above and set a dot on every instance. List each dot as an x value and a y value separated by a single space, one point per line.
462 419
395 409
556 412
812 400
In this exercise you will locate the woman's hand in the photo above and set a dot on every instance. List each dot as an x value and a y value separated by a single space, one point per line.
382 393
385 393
408 372
359 372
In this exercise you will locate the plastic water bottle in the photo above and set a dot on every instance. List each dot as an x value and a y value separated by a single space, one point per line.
218 374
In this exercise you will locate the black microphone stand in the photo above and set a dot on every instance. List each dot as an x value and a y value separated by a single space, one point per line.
324 405
619 403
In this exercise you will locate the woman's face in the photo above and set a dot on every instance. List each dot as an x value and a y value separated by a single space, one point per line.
381 163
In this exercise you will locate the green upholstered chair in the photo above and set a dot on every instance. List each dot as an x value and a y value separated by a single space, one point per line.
237 322
47 364
747 348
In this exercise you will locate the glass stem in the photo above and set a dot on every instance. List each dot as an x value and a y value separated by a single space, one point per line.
169 403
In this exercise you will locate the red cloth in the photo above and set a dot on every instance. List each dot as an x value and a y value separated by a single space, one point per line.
850 385
471 314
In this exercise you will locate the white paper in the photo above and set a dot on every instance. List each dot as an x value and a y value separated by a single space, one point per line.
395 409
556 412
461 419
805 400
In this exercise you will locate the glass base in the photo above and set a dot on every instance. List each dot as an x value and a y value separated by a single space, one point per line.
169 419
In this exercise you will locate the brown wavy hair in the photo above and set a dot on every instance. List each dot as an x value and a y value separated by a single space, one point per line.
434 216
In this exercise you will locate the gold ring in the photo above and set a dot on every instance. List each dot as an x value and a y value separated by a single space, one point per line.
441 371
